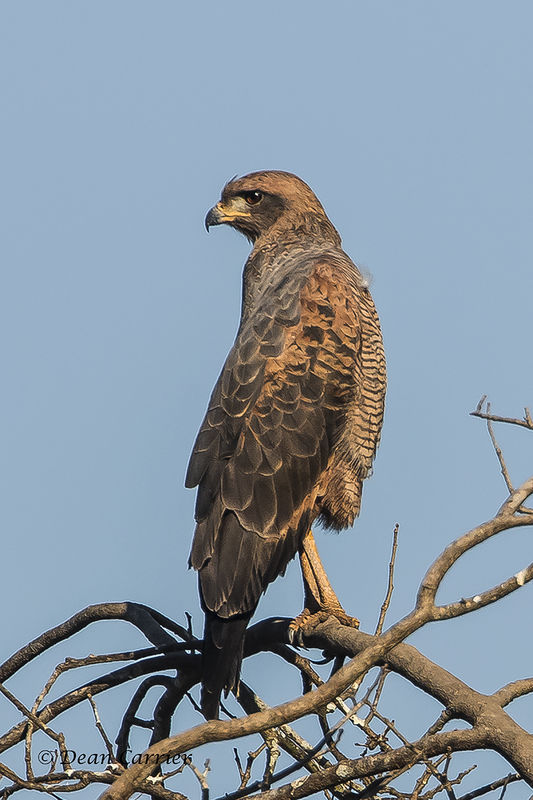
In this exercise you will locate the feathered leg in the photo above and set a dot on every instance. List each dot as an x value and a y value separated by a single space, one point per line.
320 599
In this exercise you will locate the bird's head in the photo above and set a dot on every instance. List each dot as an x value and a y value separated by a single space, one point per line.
262 203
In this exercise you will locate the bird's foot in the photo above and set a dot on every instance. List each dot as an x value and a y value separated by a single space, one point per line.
305 622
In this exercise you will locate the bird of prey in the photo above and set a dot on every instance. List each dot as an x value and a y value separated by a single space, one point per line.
293 422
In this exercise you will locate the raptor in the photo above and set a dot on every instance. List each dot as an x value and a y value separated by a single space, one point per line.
293 422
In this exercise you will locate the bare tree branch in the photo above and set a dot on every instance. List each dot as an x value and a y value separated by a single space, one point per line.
512 691
525 422
385 752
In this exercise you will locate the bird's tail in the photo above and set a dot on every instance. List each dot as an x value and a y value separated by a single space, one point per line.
221 659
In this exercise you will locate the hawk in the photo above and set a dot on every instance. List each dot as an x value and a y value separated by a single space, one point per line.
293 422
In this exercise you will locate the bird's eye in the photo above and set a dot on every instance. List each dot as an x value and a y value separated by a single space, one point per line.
253 198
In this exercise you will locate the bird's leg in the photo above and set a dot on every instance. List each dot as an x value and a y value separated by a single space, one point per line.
320 599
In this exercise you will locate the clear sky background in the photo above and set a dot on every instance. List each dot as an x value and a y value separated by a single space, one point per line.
120 122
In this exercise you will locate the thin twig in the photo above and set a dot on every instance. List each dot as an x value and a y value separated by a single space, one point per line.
100 729
526 422
57 737
499 454
258 785
245 774
390 587
201 776
490 787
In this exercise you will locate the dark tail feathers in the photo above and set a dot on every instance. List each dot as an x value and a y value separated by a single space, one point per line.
221 658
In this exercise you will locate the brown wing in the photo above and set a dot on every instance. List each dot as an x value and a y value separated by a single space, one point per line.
276 413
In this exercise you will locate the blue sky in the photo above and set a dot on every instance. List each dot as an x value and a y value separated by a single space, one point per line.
120 122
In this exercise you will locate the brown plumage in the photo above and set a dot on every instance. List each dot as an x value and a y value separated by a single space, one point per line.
295 417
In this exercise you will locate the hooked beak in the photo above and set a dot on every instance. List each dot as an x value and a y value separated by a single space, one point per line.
225 213
214 217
